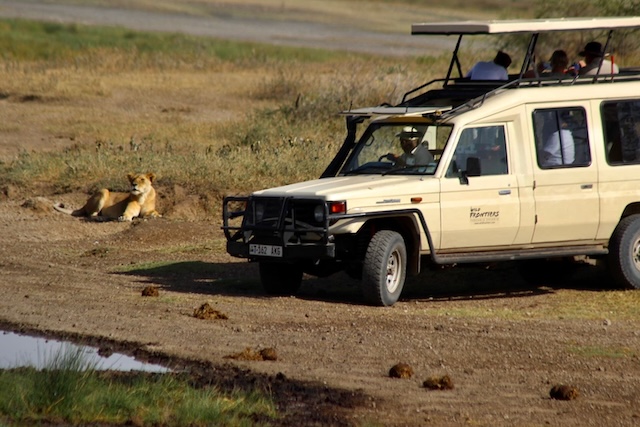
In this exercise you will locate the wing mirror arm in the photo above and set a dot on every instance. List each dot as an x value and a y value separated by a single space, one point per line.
464 178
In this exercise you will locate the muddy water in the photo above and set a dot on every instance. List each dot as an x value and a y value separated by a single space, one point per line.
22 350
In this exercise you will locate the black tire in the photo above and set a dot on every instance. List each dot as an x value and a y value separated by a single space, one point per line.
384 268
280 278
624 253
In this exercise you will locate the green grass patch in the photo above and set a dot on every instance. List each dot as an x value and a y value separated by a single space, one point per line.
22 40
70 391
603 352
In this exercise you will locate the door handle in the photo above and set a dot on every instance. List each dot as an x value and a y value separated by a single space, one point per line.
504 192
586 186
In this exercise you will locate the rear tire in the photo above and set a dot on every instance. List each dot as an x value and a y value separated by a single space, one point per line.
384 268
280 278
624 252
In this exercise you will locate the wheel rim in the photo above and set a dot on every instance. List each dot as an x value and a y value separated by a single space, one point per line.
635 254
393 271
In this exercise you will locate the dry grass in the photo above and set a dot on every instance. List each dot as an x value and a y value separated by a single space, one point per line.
82 106
213 126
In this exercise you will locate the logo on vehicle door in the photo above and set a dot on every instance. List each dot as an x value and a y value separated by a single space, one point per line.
481 216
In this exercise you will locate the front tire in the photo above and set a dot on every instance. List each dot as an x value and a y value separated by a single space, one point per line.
384 268
280 278
624 252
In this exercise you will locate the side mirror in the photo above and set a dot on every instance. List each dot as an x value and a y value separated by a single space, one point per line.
473 169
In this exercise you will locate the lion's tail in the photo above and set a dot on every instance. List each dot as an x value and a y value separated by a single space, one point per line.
61 208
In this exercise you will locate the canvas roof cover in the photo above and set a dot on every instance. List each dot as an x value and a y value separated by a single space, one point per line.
524 25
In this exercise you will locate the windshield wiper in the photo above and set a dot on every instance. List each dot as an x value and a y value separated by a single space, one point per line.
364 168
404 168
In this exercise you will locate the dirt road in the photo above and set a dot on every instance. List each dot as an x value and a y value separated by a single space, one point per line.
497 338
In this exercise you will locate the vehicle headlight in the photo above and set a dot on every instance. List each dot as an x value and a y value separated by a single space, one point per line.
318 213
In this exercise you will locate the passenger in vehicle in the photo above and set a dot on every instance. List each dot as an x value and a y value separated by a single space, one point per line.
593 53
559 148
491 70
557 66
414 153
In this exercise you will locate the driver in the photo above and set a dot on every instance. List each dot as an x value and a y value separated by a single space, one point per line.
414 153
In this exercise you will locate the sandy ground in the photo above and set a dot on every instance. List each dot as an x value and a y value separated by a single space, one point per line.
499 340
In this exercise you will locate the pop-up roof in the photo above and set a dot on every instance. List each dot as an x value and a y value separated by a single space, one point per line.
525 26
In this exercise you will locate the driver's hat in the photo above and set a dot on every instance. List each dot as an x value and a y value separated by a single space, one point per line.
409 132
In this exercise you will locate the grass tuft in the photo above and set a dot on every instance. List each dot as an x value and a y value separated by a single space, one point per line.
69 390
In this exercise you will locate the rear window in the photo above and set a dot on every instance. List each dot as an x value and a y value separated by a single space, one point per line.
561 138
621 124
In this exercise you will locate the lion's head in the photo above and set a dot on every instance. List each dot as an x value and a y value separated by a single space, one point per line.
141 182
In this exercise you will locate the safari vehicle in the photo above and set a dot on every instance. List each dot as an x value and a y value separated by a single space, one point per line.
488 194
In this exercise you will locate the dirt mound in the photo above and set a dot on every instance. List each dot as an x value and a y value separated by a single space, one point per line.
40 205
206 312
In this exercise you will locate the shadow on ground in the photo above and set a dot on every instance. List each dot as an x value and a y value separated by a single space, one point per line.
433 284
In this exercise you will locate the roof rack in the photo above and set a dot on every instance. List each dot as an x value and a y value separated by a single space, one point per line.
451 95
520 26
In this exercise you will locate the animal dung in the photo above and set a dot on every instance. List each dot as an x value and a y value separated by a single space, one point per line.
438 383
563 392
251 354
269 354
206 312
150 291
401 370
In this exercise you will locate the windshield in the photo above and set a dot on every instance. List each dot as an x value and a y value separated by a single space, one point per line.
398 148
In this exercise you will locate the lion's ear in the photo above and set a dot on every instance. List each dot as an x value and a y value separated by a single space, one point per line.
131 176
151 176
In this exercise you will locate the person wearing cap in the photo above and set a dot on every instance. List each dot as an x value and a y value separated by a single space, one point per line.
414 153
491 70
593 54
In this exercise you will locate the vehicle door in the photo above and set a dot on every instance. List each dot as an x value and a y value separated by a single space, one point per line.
479 194
565 178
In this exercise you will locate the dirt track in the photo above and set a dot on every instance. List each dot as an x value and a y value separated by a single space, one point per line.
68 277
500 340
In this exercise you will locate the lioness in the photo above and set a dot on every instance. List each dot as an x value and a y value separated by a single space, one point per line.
104 204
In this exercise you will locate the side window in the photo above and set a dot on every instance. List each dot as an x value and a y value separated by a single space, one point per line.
621 124
480 151
561 138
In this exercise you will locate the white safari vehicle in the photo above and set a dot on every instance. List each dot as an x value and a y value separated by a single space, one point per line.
533 169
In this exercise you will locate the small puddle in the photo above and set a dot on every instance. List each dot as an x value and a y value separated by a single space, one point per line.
22 350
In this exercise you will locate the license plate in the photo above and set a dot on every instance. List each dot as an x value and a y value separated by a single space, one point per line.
266 250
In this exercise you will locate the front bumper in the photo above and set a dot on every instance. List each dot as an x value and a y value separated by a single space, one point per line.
284 222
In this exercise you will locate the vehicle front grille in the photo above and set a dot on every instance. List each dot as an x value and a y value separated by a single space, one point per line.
281 214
